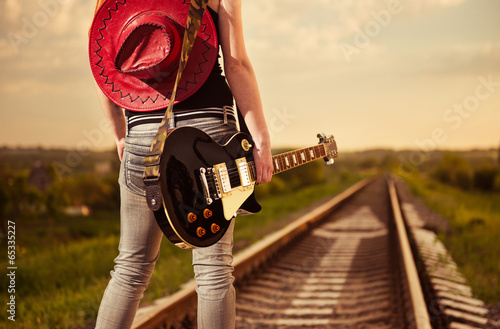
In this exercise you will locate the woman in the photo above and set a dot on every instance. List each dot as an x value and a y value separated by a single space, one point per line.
140 234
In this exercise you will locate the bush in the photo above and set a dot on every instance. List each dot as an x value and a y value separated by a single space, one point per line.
454 170
463 178
96 193
484 177
296 178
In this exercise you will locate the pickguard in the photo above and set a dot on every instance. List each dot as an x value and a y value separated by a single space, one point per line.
235 201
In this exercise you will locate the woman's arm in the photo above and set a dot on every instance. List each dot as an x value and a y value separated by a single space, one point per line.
241 78
112 112
116 119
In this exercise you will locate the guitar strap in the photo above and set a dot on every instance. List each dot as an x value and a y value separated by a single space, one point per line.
151 174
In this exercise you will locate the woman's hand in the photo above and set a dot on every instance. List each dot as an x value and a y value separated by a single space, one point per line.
264 164
120 146
116 119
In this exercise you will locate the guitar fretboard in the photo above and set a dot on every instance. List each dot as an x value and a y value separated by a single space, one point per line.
292 159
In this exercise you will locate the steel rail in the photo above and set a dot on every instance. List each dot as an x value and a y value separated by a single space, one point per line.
420 312
175 308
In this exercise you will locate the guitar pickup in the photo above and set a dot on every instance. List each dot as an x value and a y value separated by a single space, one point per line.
244 173
232 197
222 181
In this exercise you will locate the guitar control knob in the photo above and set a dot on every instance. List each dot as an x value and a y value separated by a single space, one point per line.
215 228
246 145
191 217
207 213
200 231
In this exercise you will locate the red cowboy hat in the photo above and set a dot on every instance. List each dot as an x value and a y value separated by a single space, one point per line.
135 47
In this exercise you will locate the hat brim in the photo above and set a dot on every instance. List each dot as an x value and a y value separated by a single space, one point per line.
134 94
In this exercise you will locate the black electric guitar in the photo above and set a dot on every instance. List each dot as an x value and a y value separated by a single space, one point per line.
204 184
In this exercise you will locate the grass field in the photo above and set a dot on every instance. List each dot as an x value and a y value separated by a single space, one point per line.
64 263
473 240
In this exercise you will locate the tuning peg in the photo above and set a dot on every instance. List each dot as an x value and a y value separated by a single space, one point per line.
329 162
322 137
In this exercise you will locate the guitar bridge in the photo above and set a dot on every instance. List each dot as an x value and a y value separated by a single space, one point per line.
204 185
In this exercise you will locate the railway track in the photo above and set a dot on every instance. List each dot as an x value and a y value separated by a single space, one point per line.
349 263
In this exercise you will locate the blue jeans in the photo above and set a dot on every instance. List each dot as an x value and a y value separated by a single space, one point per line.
140 239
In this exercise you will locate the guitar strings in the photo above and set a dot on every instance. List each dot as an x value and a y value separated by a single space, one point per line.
233 173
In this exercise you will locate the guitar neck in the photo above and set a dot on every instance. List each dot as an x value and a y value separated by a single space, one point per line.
292 159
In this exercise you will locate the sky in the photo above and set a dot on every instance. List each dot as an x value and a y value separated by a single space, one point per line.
399 74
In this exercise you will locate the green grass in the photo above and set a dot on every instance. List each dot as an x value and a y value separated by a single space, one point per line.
473 240
64 263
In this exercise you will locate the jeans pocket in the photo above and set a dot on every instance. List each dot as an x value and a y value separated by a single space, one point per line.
133 170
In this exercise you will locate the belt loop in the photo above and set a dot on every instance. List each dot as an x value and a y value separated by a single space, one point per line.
224 109
173 122
234 109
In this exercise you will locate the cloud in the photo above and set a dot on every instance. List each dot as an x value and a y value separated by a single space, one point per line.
292 31
6 51
51 49
297 31
45 20
462 59
413 9
73 18
12 11
30 88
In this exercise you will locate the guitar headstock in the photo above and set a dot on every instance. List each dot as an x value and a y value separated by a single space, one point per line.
330 147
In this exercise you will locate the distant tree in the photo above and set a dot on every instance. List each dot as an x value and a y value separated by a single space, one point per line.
85 189
499 155
454 170
275 187
4 204
484 177
389 161
368 163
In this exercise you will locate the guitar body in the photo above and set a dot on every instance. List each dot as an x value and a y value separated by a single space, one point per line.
196 211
